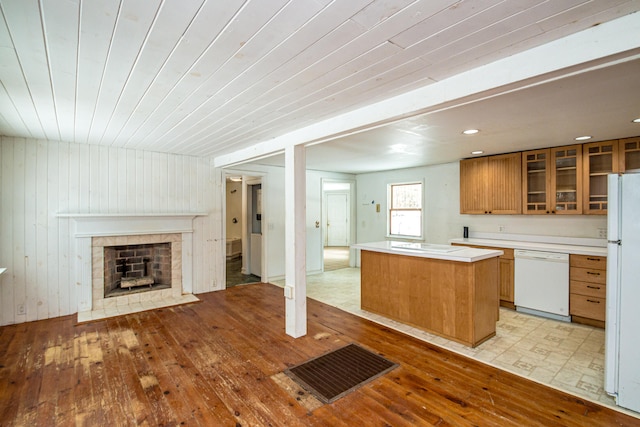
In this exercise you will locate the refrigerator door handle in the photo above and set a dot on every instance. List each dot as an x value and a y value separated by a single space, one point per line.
617 242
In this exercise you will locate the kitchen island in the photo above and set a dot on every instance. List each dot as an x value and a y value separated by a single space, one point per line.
450 291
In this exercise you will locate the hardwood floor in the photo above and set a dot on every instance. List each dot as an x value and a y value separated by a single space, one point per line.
211 364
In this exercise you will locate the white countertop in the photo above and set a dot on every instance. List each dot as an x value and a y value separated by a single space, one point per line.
540 246
426 250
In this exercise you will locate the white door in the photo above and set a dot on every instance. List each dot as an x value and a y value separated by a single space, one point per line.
337 219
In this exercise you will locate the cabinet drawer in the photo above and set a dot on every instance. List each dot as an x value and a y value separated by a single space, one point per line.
588 261
588 275
588 289
585 306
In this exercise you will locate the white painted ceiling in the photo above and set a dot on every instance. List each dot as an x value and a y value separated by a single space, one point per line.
209 77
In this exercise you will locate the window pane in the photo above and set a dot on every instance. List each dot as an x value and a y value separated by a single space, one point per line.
406 223
406 196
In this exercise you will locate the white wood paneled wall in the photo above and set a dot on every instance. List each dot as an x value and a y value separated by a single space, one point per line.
39 179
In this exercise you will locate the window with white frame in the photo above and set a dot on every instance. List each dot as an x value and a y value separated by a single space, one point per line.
405 209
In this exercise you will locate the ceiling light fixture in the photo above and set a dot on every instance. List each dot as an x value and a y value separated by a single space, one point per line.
470 131
636 120
235 178
583 138
477 152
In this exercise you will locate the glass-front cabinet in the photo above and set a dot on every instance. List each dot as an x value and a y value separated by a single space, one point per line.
535 182
552 180
566 180
599 159
629 154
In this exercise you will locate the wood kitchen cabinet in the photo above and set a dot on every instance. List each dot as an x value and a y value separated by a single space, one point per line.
587 289
599 160
491 185
506 265
552 180
629 154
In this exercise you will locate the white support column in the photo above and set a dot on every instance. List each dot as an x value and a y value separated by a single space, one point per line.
295 289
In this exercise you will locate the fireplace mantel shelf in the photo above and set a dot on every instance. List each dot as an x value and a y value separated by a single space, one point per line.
120 224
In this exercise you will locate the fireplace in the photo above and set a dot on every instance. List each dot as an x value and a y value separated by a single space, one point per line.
96 233
136 268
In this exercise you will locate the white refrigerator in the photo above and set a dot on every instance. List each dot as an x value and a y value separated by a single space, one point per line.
622 333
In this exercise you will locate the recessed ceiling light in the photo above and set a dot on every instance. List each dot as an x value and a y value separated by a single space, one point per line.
583 138
636 120
477 152
470 131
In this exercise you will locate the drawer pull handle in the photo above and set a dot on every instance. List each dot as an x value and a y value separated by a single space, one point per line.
593 287
594 301
593 259
592 273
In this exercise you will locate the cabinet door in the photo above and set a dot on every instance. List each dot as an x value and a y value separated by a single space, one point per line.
599 160
473 186
535 182
629 154
506 279
566 180
504 183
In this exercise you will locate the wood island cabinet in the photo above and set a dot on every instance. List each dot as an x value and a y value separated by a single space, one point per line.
455 300
552 181
506 276
491 185
587 289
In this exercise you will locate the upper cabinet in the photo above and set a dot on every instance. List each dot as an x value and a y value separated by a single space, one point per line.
629 154
491 185
600 159
551 180
536 182
568 180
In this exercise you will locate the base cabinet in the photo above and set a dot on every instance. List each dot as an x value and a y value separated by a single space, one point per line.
455 300
506 273
587 289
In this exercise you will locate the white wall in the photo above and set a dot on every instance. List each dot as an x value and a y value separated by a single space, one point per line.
443 220
39 179
273 216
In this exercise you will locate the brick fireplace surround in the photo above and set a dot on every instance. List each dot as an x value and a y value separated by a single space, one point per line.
92 232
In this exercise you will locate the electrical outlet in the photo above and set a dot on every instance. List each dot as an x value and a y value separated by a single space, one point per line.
21 309
602 233
501 228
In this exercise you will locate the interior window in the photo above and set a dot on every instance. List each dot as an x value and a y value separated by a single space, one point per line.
405 209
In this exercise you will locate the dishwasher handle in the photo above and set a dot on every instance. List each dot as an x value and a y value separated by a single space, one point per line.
539 255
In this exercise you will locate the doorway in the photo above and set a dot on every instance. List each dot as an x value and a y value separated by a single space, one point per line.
243 223
336 196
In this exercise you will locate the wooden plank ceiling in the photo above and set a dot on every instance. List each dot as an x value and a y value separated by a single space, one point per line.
208 77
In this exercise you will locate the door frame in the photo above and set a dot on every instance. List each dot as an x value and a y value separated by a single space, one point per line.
351 191
252 178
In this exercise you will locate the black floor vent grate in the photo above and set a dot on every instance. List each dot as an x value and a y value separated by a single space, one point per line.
339 372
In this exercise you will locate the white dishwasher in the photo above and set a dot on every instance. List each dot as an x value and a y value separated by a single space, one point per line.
542 284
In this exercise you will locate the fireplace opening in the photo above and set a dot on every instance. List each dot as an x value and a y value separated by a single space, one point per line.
136 268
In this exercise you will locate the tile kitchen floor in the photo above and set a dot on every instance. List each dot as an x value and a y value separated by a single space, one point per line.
566 356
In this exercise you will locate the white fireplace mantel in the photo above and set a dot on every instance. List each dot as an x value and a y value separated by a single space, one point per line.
85 226
91 225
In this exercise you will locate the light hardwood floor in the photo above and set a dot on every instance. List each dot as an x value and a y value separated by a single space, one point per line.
211 363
